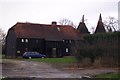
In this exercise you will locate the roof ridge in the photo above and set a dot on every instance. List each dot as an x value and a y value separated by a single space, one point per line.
43 24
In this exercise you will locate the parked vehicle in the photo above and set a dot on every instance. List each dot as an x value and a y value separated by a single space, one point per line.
33 55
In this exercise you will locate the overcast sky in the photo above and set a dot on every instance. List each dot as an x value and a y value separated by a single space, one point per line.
46 11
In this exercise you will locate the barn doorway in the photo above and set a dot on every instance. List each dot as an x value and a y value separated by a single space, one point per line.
54 51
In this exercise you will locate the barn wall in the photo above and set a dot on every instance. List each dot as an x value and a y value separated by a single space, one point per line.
57 48
11 44
32 44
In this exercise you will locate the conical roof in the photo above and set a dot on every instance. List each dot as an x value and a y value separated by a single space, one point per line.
100 26
82 27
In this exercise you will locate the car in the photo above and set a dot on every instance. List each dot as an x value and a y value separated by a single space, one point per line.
33 55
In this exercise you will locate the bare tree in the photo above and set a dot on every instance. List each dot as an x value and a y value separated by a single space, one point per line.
93 29
66 22
111 24
2 37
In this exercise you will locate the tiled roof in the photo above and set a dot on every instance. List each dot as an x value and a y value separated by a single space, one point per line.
43 31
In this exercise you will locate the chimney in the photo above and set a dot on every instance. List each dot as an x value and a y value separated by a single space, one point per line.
54 23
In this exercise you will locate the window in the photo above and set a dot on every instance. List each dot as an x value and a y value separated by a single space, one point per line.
70 41
36 41
67 41
22 40
54 48
67 50
63 40
26 40
18 51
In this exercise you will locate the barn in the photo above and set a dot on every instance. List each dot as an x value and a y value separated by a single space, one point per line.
50 39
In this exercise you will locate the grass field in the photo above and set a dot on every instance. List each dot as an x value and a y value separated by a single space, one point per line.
110 75
55 60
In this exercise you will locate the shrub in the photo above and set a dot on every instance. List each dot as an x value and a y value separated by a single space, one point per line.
101 49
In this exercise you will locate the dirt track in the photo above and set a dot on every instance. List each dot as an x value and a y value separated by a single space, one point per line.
18 68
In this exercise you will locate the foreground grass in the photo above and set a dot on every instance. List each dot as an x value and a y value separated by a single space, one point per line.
55 60
110 75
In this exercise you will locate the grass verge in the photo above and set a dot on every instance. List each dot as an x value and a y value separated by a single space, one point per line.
110 75
55 60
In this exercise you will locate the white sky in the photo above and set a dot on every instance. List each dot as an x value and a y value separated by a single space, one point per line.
46 11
